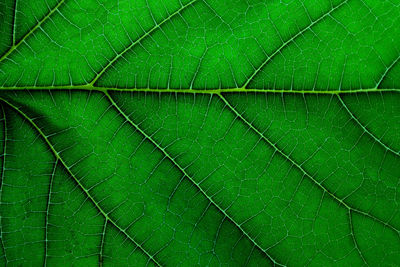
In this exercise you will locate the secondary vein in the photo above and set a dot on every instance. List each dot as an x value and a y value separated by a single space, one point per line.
293 38
156 26
46 223
158 146
281 152
60 159
365 129
15 46
388 69
3 169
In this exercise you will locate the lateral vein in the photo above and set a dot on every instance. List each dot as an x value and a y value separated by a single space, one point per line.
281 152
365 129
16 45
113 60
58 157
158 146
293 38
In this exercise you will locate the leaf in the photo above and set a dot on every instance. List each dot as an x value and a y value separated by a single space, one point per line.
203 132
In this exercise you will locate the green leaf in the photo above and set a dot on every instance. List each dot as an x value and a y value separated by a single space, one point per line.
203 132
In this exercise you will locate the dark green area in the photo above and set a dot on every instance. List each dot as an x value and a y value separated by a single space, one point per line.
131 133
200 179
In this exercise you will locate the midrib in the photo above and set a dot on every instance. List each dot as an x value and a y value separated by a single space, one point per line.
200 91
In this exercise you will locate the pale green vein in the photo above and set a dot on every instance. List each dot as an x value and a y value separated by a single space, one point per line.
46 223
2 179
87 193
293 38
157 26
199 91
292 161
181 169
353 236
103 236
364 128
15 46
389 68
14 22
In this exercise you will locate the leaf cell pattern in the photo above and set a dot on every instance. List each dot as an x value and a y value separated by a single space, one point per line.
202 132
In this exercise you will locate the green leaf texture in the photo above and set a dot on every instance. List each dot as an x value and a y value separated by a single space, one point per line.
200 133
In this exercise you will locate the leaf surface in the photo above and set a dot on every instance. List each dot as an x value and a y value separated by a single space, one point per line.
202 132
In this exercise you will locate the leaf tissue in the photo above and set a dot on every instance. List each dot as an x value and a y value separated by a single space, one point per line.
200 133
